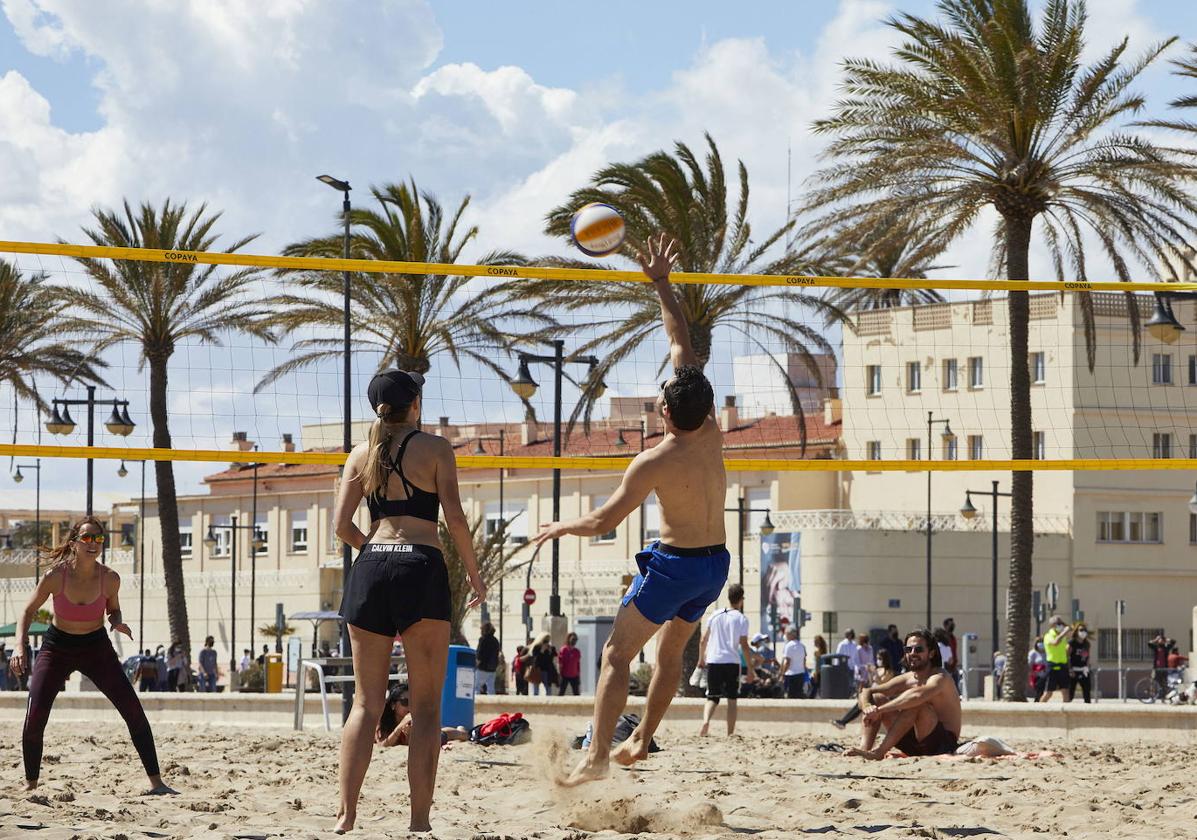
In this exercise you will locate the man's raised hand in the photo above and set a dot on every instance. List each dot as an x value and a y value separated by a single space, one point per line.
663 252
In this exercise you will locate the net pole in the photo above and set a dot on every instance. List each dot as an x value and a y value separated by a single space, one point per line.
346 445
558 364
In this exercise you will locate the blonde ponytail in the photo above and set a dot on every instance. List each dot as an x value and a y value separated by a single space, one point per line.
374 475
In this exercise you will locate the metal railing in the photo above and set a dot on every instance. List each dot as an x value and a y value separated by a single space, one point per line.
892 520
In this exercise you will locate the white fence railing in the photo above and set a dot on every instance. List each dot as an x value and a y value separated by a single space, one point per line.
892 520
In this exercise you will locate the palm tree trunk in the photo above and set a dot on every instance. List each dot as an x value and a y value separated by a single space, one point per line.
1022 534
168 508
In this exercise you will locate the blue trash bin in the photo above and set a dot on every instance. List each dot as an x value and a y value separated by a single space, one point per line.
457 696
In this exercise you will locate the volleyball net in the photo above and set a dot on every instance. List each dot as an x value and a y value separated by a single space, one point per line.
799 384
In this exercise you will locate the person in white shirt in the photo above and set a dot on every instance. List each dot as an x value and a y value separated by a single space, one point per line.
847 647
243 665
863 664
724 642
793 665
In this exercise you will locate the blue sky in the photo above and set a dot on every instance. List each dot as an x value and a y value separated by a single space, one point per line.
241 105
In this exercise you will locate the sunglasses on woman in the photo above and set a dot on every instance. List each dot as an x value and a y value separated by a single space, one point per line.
92 538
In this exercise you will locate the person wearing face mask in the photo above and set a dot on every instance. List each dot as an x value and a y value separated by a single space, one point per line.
1078 664
1055 647
1037 670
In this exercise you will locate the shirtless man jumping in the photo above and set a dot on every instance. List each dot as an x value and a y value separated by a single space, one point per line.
920 708
683 573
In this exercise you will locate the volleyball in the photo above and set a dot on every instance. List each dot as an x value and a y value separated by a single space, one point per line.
597 229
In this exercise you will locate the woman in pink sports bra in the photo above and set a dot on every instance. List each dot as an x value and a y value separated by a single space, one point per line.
83 590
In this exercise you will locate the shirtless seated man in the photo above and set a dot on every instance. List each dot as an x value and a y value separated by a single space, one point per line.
920 708
682 574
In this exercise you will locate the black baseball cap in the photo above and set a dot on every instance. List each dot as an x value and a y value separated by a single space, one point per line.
395 388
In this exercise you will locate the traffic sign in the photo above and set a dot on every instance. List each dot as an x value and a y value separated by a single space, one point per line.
1052 591
529 597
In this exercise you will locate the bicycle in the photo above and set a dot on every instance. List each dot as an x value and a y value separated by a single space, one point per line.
1149 690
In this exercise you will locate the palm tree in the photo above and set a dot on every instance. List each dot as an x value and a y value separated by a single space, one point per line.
407 318
32 340
679 195
158 306
990 110
893 250
492 558
688 198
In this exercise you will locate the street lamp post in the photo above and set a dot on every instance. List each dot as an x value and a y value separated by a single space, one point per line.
619 441
501 437
210 542
37 515
766 526
346 432
968 512
257 543
525 386
118 423
947 433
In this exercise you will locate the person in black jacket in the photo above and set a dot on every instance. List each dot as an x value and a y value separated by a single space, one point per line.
487 660
1078 664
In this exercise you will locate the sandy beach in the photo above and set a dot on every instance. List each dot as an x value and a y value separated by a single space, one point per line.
278 783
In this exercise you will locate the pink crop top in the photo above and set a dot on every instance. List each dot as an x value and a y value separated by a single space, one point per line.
67 609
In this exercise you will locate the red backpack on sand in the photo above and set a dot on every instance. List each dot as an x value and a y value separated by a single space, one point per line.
505 729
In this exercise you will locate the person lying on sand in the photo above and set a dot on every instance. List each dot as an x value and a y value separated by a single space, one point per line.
919 709
395 724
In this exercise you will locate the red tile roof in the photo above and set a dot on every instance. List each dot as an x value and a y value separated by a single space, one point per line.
773 436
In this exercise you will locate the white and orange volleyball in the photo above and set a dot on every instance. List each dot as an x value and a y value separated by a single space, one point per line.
597 229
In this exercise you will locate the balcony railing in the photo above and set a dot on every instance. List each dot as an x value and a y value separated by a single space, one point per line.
892 520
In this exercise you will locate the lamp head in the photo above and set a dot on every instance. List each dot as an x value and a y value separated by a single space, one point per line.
335 183
60 424
17 477
968 510
1163 325
116 423
948 434
523 384
122 472
210 538
767 527
479 449
619 438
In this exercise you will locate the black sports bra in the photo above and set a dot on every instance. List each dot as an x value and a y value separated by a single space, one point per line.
419 504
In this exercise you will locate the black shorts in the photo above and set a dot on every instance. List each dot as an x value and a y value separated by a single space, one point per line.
1057 677
393 585
939 741
723 680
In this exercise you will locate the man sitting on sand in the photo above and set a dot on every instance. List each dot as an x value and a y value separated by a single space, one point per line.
920 709
682 574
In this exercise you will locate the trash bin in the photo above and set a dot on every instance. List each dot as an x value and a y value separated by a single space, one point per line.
835 677
457 696
274 672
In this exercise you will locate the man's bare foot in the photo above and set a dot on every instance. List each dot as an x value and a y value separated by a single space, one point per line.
588 770
30 784
161 789
706 728
420 826
344 823
630 751
871 755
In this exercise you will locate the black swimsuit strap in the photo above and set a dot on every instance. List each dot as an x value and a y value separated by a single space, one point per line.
397 464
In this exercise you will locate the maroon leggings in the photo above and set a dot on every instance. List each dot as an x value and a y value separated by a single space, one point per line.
92 654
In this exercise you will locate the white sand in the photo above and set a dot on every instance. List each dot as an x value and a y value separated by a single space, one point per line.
283 784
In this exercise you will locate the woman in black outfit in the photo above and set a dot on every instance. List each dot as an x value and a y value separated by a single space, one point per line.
1078 663
399 583
544 657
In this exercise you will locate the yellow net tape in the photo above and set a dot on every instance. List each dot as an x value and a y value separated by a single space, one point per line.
520 462
546 273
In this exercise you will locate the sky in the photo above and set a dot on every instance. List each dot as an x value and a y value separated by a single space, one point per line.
241 105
